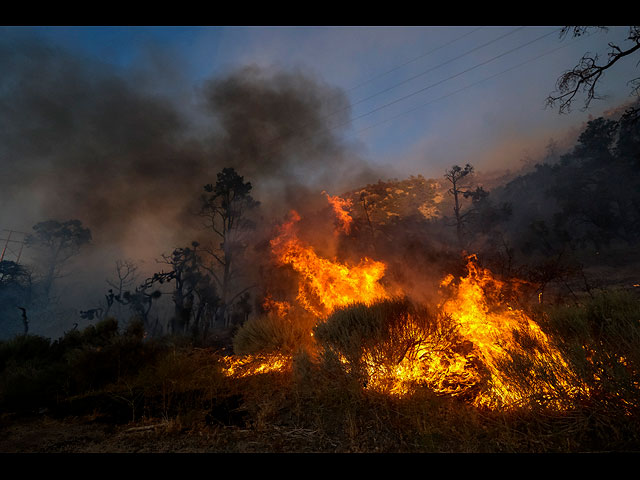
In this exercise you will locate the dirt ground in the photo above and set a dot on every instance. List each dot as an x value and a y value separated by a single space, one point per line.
44 434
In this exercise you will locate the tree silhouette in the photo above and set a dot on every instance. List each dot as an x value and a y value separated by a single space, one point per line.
456 175
227 207
194 294
58 242
15 291
584 77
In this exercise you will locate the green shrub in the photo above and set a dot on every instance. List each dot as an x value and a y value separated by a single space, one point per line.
35 372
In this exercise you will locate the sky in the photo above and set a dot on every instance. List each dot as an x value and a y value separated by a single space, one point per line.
392 101
120 126
415 98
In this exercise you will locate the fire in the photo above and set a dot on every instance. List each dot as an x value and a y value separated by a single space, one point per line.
326 284
500 335
491 354
239 367
281 308
341 208
480 349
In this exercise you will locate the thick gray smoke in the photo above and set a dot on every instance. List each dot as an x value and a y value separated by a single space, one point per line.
81 140
128 154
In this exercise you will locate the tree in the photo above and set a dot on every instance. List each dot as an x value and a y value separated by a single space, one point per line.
456 175
227 207
58 242
194 295
15 291
584 77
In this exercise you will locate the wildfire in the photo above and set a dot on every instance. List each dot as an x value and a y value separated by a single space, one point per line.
502 337
484 350
341 208
245 366
326 284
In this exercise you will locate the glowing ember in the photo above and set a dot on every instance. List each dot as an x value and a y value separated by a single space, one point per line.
245 366
325 284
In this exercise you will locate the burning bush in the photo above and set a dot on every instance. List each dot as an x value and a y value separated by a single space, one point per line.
395 345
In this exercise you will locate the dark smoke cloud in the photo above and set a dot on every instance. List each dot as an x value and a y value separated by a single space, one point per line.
285 128
80 139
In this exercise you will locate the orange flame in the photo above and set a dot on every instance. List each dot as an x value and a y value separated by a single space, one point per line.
493 336
326 284
245 366
341 208
501 334
490 336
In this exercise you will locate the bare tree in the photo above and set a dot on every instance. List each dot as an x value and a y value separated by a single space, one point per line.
585 76
456 176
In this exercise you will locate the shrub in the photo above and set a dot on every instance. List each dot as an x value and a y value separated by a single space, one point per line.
381 339
601 339
271 333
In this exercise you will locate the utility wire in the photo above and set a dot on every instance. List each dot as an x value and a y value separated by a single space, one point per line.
448 78
436 67
348 107
435 84
413 60
548 52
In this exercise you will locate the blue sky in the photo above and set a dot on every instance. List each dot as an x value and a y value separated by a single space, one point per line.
402 82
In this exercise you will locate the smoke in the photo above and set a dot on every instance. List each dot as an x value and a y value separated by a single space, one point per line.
80 139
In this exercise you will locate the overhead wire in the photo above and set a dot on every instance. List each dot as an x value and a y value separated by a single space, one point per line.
415 59
388 104
475 49
348 107
478 65
544 54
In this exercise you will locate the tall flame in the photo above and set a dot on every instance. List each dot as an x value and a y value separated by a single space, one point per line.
326 284
341 208
498 356
501 334
491 337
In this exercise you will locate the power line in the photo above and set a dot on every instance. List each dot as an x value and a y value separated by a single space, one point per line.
437 66
437 83
548 52
449 78
413 60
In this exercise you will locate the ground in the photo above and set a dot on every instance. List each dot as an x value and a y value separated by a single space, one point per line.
44 434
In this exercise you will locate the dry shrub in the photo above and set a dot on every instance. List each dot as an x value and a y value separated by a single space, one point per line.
384 332
271 333
601 338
